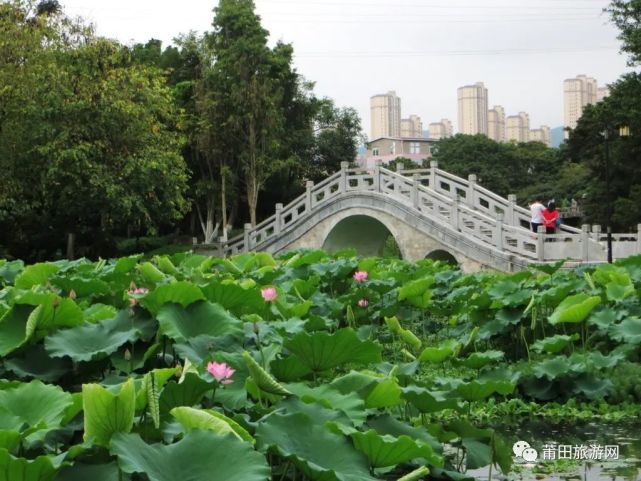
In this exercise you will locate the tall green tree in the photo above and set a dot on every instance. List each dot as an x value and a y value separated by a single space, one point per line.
88 141
626 16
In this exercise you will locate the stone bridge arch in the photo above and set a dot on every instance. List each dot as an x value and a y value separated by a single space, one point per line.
367 234
416 237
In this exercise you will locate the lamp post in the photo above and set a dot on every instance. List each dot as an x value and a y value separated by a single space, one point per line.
624 131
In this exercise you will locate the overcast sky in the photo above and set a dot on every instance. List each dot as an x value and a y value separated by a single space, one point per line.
422 49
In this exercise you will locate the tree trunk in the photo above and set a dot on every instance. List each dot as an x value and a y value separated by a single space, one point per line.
71 240
223 198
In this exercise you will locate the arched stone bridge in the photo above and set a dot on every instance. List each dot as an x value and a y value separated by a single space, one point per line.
430 213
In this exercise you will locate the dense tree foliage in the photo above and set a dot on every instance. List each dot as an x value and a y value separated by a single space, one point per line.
100 140
626 15
528 170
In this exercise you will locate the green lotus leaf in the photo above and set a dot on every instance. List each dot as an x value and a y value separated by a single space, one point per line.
36 274
477 360
43 468
321 351
574 309
627 331
386 450
417 292
317 452
427 401
91 472
592 387
187 393
166 266
553 368
416 475
262 378
604 318
13 328
93 341
105 413
233 297
479 390
478 454
34 362
306 287
539 388
439 353
182 292
409 338
289 369
9 270
201 318
618 292
327 396
82 286
386 393
387 424
209 420
47 316
306 258
9 439
355 381
150 273
393 324
554 344
126 264
198 456
34 404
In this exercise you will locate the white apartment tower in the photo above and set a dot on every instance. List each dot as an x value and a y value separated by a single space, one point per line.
517 127
440 130
412 127
385 115
496 123
472 109
541 135
577 93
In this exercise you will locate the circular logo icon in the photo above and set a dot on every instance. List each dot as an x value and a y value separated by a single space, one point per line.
530 454
519 447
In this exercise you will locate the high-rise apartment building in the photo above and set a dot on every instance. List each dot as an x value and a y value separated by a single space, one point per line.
541 134
496 123
412 127
517 127
577 93
385 115
472 109
441 130
601 93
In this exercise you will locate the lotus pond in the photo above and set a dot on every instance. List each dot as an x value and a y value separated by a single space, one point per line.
315 367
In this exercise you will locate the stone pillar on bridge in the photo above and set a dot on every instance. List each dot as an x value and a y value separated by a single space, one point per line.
470 190
498 232
343 181
309 185
585 242
433 169
454 220
540 242
511 204
596 232
248 228
638 251
278 218
377 175
416 181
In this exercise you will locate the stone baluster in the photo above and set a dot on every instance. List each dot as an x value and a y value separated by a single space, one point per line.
377 175
638 251
433 169
511 204
248 228
471 190
278 219
498 232
596 232
454 215
309 185
540 242
416 181
585 242
343 181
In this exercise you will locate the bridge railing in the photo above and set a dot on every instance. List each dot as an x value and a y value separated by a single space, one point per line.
456 203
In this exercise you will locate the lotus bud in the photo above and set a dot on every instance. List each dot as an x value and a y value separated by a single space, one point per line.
127 355
72 294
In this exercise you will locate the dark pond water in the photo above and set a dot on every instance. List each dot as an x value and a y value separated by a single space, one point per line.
584 442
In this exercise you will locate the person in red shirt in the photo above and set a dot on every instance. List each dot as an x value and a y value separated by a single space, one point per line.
550 216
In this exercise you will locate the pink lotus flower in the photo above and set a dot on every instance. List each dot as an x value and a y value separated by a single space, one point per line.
221 371
360 276
136 292
363 303
269 294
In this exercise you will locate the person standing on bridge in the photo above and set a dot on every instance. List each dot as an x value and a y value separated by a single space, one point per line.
550 217
536 209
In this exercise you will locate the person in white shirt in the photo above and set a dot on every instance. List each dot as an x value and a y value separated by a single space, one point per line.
536 209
